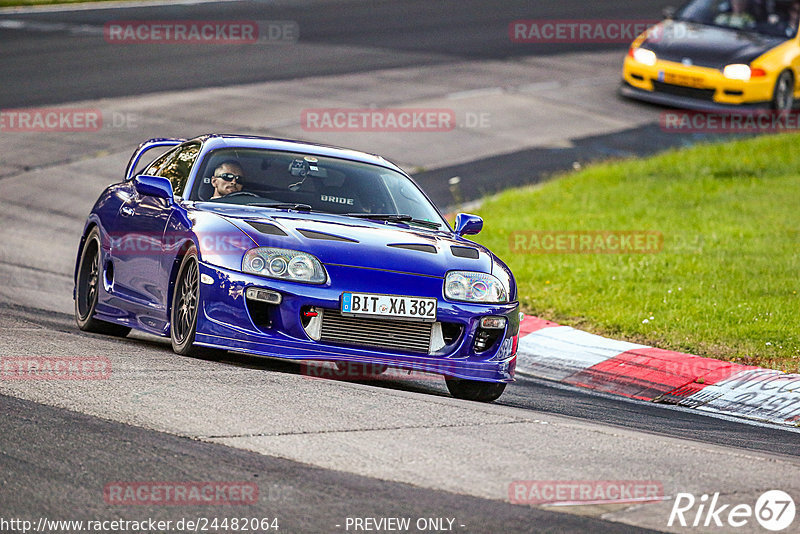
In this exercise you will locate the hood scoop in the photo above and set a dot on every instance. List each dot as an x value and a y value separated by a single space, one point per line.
311 234
415 246
465 252
266 228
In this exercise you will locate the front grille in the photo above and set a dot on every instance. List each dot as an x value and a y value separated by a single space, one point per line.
680 90
406 336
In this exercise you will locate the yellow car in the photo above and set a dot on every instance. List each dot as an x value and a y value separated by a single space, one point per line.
719 54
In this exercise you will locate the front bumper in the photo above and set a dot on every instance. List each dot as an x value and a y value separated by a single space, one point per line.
683 102
692 87
227 321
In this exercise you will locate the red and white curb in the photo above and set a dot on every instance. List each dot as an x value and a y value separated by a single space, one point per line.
564 354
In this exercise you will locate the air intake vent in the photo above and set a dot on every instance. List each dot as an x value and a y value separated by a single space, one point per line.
406 336
415 246
465 252
266 228
311 234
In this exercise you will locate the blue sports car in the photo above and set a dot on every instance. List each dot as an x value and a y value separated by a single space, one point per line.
295 250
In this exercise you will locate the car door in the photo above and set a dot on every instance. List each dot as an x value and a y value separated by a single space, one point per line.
138 246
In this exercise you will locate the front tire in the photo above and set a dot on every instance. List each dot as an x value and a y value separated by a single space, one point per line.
185 302
474 390
185 307
783 95
87 289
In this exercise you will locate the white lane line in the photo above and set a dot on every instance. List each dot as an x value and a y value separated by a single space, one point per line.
12 24
475 93
92 6
30 25
539 86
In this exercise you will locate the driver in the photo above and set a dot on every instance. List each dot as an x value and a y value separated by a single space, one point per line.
794 16
228 178
737 17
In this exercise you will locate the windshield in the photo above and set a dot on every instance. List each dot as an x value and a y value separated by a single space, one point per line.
773 18
288 180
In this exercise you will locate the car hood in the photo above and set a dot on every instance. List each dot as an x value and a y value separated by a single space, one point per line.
362 243
707 46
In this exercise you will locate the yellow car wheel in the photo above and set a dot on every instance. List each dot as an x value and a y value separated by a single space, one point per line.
783 95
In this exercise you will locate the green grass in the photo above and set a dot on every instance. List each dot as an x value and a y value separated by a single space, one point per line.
726 281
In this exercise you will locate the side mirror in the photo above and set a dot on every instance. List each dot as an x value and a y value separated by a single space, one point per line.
467 224
153 186
156 186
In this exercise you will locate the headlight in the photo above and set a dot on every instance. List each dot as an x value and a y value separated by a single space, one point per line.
468 286
737 72
645 56
284 264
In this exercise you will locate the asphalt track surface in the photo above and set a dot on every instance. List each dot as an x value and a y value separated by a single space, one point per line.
69 473
128 453
336 37
40 69
536 395
55 461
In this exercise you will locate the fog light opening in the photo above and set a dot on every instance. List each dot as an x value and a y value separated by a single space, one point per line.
485 339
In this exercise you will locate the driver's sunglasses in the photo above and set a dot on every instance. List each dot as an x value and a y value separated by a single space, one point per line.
229 177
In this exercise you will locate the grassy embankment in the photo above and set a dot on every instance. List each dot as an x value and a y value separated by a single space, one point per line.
725 283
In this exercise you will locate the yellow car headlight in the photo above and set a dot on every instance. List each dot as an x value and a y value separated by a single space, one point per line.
645 56
737 72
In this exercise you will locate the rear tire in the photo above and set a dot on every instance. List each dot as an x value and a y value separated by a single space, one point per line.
185 307
783 94
87 289
474 390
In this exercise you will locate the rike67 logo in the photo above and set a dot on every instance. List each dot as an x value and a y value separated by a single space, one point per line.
774 510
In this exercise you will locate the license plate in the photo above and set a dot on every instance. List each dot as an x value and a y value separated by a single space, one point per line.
397 306
681 79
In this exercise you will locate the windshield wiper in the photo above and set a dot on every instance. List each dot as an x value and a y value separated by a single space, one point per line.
395 217
282 206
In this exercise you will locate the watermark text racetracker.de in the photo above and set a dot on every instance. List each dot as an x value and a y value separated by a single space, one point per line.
155 243
363 371
55 368
586 242
219 32
64 120
390 120
584 492
177 493
378 120
733 121
578 30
